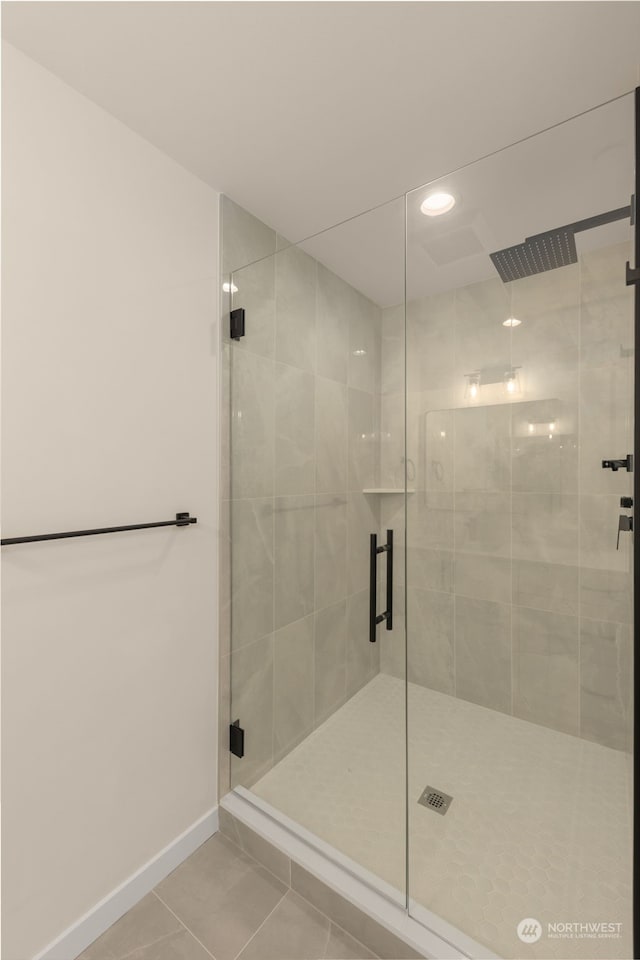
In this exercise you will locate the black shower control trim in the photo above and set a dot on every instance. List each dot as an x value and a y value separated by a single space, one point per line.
626 502
236 325
625 524
626 464
632 275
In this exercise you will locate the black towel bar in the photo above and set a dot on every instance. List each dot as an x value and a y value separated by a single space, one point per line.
181 520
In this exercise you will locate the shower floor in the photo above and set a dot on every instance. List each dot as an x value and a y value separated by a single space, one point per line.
540 825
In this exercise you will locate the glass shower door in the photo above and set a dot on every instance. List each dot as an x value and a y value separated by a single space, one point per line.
519 593
316 467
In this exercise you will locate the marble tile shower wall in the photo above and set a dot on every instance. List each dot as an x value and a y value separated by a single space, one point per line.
517 597
302 394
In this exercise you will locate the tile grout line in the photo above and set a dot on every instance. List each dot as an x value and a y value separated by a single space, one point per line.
579 426
274 534
327 942
512 645
182 924
271 912
454 552
289 888
314 705
333 923
145 946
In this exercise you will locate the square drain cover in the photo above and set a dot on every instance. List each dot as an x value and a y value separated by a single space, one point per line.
435 800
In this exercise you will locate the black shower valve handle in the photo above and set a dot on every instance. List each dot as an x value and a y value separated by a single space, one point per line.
625 523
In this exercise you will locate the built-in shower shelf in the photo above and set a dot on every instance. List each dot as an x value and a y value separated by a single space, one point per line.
386 490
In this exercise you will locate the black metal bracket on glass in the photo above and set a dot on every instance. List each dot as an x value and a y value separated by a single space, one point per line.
626 464
236 323
181 520
236 739
374 617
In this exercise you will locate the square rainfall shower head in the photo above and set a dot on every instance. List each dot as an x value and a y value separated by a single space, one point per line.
545 251
551 249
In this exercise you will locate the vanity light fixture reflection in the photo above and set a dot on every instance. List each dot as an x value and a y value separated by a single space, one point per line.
511 382
511 322
229 287
496 380
473 386
541 428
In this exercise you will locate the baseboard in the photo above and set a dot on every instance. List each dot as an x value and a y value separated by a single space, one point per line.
84 931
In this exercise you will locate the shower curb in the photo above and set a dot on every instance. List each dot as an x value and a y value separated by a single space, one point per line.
369 909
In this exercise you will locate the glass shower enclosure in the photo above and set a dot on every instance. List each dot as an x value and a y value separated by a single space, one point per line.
427 620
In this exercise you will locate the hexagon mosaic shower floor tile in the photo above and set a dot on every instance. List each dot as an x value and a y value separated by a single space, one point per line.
539 826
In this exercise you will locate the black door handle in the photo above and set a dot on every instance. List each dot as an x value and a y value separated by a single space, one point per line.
374 550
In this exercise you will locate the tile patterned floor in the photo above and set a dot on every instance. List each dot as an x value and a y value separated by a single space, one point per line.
540 824
222 904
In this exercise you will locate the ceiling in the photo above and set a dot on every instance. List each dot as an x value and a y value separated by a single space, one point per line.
576 170
309 113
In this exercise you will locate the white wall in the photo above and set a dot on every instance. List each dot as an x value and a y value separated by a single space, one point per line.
109 417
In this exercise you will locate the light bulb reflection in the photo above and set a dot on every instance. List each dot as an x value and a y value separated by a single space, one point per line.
437 203
511 382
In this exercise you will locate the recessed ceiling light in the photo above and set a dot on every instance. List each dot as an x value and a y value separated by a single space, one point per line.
437 203
229 288
511 322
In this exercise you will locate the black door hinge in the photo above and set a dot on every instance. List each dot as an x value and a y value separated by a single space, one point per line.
236 325
236 739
